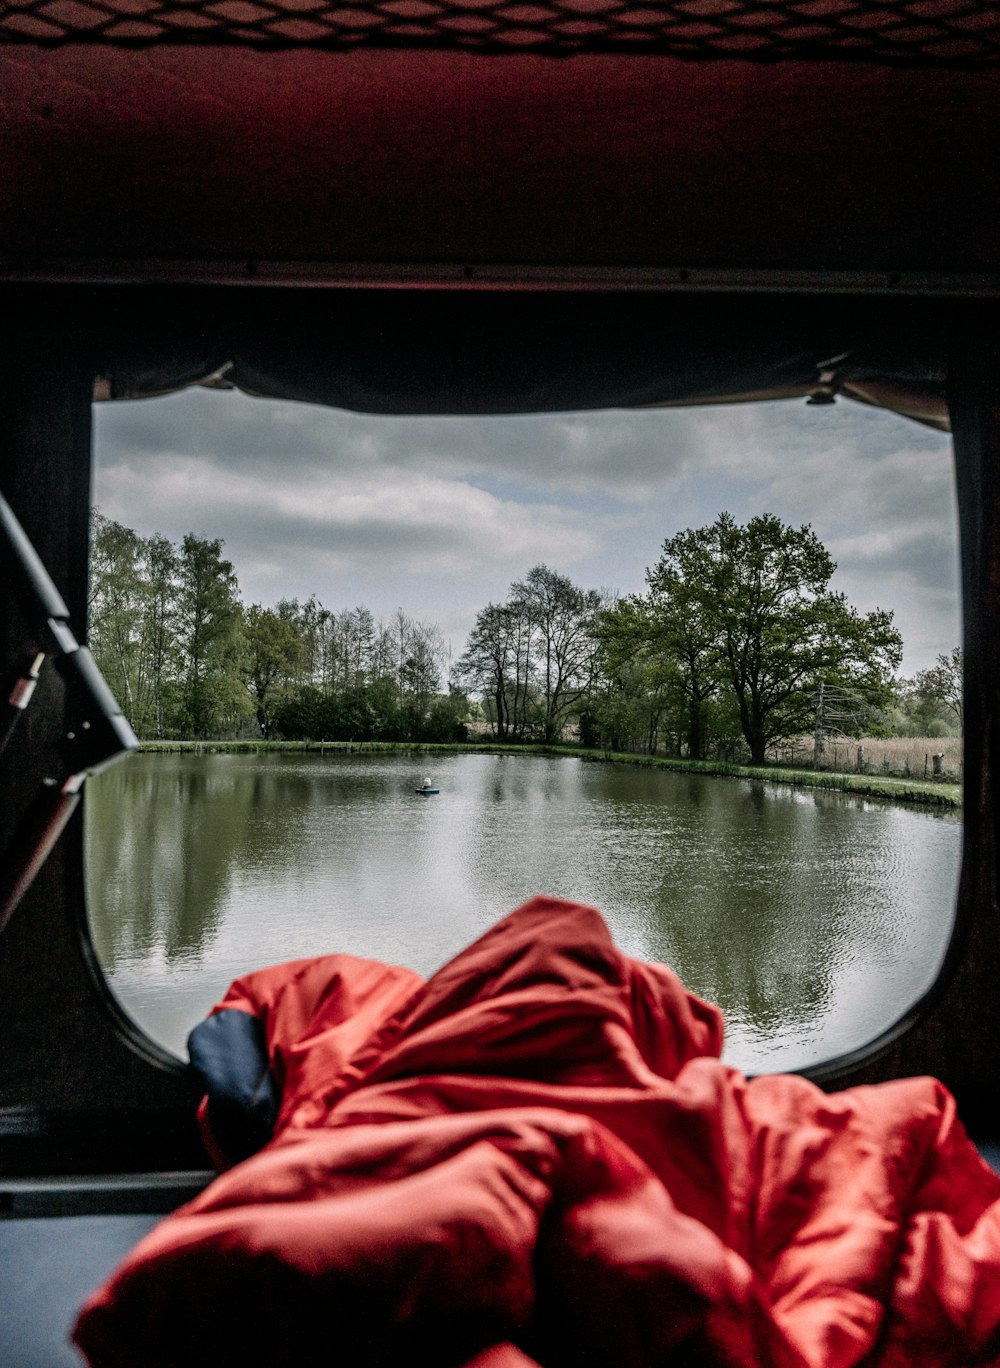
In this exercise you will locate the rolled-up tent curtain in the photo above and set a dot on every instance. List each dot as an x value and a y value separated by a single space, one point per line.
514 352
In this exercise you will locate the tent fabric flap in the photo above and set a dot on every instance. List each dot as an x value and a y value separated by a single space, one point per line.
470 352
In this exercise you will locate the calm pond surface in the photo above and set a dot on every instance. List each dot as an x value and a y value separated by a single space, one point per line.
813 918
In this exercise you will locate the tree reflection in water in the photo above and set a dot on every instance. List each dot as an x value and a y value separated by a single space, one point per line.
813 918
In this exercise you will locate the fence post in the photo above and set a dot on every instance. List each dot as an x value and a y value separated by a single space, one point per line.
861 759
819 744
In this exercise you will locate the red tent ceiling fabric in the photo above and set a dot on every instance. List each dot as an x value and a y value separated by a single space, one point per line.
953 32
412 168
538 1157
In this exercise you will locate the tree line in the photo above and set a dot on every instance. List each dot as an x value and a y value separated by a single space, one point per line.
731 648
187 659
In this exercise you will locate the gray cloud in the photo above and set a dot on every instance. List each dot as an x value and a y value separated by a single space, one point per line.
626 455
438 515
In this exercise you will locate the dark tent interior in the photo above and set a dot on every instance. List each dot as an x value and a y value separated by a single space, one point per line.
459 208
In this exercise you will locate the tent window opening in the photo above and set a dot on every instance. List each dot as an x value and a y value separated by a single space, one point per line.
309 614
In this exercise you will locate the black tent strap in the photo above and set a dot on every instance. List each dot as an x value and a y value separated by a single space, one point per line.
897 32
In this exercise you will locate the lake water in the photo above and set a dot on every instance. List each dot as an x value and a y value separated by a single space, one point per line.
813 918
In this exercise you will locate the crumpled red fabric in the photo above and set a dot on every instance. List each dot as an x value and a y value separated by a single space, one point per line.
537 1158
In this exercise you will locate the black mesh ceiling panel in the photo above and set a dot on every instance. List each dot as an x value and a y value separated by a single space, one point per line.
900 32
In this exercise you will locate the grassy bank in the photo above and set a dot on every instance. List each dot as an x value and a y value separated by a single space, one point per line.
942 794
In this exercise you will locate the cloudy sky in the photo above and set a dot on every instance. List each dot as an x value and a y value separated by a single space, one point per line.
438 515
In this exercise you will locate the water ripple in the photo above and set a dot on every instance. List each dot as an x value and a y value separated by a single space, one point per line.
813 918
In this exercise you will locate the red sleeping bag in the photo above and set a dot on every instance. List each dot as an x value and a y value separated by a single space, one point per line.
537 1157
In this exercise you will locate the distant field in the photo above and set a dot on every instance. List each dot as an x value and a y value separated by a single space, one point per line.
908 757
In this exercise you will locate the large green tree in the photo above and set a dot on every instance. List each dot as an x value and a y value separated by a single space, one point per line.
937 693
531 659
759 593
209 624
493 666
273 654
116 611
682 626
561 617
635 694
161 623
133 619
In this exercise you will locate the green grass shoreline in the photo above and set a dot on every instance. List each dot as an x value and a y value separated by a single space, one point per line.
939 794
